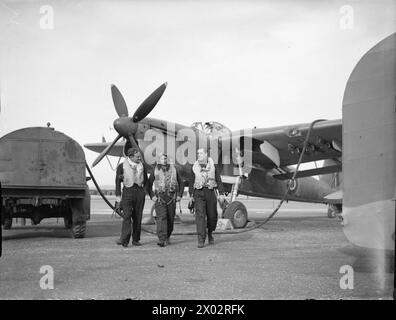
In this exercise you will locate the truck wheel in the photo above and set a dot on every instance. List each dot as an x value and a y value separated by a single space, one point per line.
237 213
78 229
36 218
34 221
68 222
7 223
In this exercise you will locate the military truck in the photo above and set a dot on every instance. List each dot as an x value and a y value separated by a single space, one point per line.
43 176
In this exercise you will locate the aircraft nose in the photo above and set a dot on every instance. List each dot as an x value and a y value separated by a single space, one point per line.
125 126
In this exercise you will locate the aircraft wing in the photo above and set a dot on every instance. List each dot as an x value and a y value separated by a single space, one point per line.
116 151
280 147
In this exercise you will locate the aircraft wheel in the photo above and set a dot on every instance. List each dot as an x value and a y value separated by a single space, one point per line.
35 221
7 223
36 218
78 229
237 213
333 210
330 212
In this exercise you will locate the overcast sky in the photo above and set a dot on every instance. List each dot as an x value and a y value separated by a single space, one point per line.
241 63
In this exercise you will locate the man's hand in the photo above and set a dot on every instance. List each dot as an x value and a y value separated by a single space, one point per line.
221 198
118 209
178 198
154 198
191 205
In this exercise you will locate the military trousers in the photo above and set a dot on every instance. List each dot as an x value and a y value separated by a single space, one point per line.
132 201
165 218
205 205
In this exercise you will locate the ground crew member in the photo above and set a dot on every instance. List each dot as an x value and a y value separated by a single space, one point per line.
205 178
168 188
133 175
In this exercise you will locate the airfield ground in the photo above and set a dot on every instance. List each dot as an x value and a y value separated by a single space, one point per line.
297 255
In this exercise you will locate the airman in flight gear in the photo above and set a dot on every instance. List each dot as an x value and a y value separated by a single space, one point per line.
205 179
168 188
133 175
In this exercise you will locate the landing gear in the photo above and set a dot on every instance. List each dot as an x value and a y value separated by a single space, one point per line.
237 213
334 210
236 210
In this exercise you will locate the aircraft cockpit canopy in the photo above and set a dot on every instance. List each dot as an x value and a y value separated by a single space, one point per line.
212 128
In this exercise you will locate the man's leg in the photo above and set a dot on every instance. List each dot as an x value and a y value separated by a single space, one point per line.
127 205
211 210
160 210
200 216
139 197
171 212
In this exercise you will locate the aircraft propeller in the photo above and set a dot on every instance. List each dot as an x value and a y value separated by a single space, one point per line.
126 126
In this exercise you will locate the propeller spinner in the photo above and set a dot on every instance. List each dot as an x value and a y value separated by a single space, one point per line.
126 126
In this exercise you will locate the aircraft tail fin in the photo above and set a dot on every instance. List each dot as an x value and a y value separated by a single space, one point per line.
369 148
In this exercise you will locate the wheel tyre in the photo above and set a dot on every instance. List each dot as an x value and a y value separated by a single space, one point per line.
333 210
338 208
68 222
330 213
237 213
7 223
78 229
35 222
36 218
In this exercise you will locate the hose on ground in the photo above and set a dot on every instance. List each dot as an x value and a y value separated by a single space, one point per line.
234 231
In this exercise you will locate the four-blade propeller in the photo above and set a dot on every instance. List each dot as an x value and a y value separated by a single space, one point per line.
125 126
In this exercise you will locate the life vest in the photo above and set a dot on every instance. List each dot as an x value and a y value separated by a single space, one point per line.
133 173
165 180
204 177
